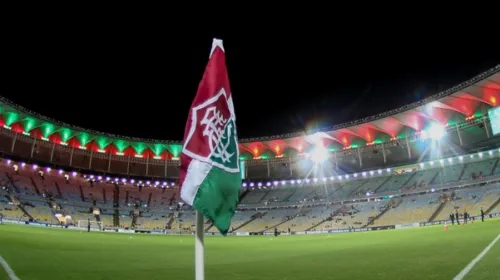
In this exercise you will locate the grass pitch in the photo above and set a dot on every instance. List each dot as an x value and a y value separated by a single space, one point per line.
421 253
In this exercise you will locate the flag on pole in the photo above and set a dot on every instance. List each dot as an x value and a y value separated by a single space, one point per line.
210 177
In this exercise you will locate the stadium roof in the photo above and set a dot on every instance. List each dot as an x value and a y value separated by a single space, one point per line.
467 100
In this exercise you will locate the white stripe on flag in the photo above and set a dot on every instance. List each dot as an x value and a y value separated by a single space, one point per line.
195 175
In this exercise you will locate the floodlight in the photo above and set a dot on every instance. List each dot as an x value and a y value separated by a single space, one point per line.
435 132
317 138
319 154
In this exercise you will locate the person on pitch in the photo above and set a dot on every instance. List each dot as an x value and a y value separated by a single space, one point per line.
452 218
482 214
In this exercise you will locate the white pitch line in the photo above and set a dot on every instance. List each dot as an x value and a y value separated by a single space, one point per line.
469 267
10 272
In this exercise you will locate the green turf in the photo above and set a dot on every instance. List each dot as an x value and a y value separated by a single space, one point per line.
422 253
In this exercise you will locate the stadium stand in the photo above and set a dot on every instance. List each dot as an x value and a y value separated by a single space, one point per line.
28 193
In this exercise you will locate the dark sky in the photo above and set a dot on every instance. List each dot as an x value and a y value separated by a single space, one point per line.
139 79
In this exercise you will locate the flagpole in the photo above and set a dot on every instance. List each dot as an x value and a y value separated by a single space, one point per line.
199 248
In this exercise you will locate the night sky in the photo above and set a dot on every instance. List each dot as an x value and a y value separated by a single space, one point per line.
139 79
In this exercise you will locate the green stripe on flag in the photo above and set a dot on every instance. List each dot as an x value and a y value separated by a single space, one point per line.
218 196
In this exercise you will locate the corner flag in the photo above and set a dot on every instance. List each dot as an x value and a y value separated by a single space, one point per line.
210 177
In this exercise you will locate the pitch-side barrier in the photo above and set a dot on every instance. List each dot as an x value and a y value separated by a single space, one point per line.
178 232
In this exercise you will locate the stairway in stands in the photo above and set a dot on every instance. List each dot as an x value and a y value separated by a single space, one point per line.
312 193
253 218
438 211
264 197
17 202
392 204
243 194
25 212
431 182
171 221
494 167
355 191
287 198
409 179
278 224
318 224
37 190
372 221
116 205
12 183
383 183
58 190
492 207
82 196
134 221
210 225
462 173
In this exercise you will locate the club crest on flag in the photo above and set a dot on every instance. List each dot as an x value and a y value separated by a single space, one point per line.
213 122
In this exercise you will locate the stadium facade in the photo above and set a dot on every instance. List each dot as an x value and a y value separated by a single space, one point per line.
415 159
389 139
